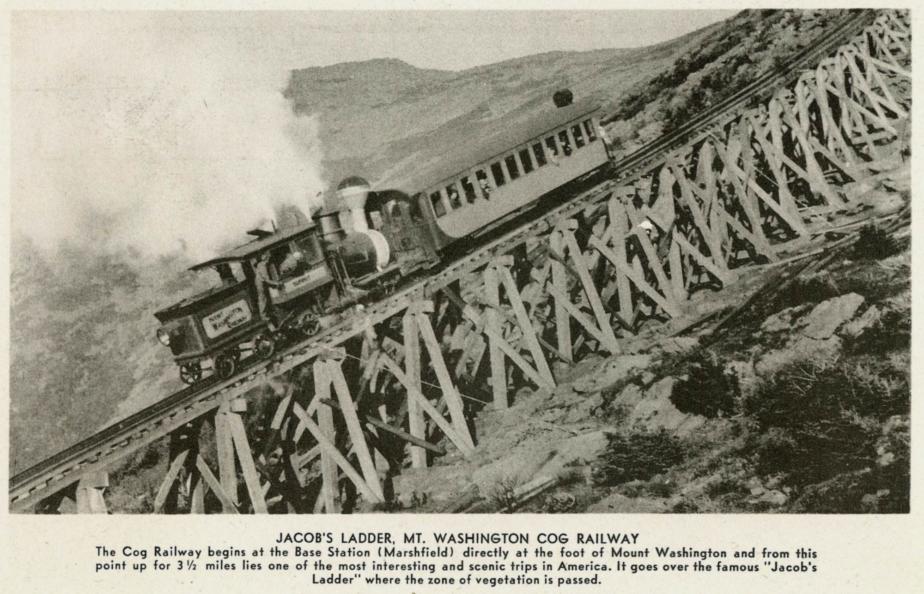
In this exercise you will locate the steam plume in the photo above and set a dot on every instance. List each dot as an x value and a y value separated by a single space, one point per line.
151 139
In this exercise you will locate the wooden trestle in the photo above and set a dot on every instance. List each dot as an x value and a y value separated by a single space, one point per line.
332 431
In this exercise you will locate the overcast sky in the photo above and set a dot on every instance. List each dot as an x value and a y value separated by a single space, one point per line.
429 39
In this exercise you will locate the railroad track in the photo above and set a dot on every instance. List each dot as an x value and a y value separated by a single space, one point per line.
158 420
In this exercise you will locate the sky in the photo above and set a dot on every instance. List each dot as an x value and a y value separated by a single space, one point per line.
132 129
450 40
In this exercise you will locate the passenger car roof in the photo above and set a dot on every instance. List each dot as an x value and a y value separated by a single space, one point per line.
248 250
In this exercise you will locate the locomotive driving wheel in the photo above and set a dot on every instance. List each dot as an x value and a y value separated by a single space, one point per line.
225 365
309 327
190 372
264 346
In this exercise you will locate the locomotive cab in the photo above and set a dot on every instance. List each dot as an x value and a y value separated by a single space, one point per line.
298 266
279 284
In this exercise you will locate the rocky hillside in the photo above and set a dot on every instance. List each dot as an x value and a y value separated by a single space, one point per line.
83 351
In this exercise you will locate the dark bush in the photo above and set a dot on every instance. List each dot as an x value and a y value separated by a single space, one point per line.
808 289
709 389
819 420
874 243
636 455
891 332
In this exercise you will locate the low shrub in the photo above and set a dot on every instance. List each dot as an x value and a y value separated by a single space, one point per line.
708 390
813 288
874 243
890 332
821 419
636 454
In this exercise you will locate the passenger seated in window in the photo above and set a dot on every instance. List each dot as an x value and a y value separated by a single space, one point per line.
485 186
454 199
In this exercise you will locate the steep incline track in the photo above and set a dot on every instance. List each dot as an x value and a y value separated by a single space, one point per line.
150 424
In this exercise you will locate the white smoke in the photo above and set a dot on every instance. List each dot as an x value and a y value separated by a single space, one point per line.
152 141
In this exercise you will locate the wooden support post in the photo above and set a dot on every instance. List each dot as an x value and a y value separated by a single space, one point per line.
329 480
450 395
524 322
231 437
196 488
248 468
414 393
168 486
563 238
327 446
620 228
227 470
493 325
560 282
417 426
89 494
403 435
228 506
347 406
183 450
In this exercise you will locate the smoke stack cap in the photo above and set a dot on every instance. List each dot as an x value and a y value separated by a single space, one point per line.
353 192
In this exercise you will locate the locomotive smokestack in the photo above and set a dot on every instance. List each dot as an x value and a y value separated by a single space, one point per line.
353 193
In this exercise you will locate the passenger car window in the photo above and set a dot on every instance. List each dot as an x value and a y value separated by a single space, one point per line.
578 135
591 132
455 201
553 146
498 174
540 154
437 201
526 161
512 167
565 142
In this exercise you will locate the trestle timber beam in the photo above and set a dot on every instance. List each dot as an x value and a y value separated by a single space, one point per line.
89 494
738 195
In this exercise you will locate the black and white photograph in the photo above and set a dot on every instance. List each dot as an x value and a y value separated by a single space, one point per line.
392 262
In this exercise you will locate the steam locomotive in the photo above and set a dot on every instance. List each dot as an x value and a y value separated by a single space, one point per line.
296 280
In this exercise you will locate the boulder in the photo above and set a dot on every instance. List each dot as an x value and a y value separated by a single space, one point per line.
656 410
576 451
828 316
619 503
803 349
783 320
585 409
678 344
689 426
755 486
630 396
856 326
774 497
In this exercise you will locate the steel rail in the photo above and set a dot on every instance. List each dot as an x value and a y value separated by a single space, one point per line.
163 417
